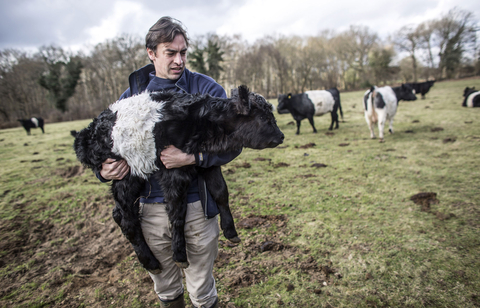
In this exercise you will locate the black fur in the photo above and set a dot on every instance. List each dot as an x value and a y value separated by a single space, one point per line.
28 124
192 123
422 87
301 107
404 92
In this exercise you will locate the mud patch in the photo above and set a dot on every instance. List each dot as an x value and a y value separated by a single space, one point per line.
425 200
449 140
281 164
343 144
70 172
306 146
436 129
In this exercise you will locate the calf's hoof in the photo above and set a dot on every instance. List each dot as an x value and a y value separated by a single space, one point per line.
182 265
235 239
155 271
381 140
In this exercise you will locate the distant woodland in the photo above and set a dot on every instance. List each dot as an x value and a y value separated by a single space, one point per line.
62 86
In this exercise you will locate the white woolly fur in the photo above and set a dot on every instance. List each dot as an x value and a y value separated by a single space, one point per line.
132 134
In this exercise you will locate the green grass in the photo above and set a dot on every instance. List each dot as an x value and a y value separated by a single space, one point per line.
354 215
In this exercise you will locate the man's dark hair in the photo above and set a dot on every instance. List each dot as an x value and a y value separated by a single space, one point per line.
164 31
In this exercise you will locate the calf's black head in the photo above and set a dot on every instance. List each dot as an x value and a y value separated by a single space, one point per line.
254 124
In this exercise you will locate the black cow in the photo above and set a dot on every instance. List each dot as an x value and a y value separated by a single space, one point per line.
138 128
422 87
32 123
310 104
472 97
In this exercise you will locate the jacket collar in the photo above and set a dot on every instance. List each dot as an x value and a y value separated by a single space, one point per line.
140 79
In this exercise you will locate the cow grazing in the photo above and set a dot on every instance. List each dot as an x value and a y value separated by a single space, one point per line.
310 104
381 104
472 97
32 123
421 87
138 128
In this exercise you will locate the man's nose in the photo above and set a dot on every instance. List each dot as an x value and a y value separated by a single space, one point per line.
178 58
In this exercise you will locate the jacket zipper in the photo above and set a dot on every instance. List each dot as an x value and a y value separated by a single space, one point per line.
206 199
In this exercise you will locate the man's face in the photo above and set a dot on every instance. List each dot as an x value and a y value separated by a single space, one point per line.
169 58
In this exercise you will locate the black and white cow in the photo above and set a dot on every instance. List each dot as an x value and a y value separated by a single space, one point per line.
380 105
421 87
310 104
472 97
138 128
32 123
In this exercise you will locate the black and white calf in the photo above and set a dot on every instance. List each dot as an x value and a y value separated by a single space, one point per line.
138 128
381 104
310 104
32 123
472 97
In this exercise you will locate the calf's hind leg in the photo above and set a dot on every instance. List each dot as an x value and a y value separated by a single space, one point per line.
175 184
218 189
126 194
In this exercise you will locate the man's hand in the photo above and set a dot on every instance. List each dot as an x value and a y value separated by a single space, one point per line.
172 157
114 169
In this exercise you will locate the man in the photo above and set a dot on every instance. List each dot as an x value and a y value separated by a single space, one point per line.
166 44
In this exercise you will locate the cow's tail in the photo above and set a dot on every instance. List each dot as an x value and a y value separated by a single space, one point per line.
371 105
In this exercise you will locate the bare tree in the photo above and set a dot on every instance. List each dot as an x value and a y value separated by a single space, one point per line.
408 39
456 34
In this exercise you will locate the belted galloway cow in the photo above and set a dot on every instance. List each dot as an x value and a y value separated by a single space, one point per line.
310 104
471 97
380 105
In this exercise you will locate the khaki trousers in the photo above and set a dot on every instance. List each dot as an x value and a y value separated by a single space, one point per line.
201 236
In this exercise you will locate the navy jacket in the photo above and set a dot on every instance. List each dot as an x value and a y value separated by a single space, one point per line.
144 79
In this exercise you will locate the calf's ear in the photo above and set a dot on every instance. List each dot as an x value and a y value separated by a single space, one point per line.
242 103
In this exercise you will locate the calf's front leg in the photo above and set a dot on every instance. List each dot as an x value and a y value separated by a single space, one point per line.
217 187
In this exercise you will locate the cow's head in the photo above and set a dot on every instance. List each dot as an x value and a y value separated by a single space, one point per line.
407 93
284 101
467 91
255 124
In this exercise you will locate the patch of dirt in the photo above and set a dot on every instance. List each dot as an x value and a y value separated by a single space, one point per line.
343 144
75 259
318 165
425 200
281 164
262 159
70 172
436 129
306 146
448 140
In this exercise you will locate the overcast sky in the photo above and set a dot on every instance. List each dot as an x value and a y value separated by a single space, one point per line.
74 24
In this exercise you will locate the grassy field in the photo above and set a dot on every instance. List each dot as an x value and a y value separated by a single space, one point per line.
326 219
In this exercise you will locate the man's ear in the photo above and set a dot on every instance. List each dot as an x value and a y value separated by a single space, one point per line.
151 54
242 103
